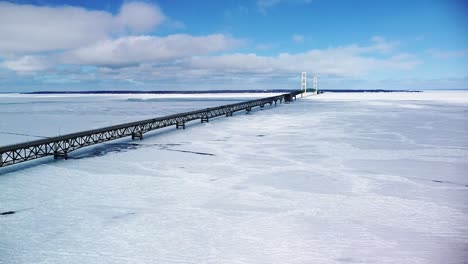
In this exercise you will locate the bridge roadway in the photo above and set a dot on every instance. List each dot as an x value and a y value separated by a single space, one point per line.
60 146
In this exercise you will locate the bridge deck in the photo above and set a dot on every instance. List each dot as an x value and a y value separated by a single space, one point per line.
60 146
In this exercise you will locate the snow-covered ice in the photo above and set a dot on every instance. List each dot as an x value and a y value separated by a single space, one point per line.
26 117
333 178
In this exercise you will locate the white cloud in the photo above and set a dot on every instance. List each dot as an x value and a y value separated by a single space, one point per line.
139 49
29 29
264 5
196 56
298 38
203 59
343 61
346 61
264 46
253 71
27 64
440 54
381 44
140 17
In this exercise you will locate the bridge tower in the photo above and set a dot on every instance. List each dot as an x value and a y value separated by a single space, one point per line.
304 82
315 84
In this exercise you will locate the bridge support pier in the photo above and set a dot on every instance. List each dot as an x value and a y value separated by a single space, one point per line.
228 114
261 106
180 125
137 134
248 109
205 119
58 155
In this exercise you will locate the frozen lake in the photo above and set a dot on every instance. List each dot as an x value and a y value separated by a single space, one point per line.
334 178
30 117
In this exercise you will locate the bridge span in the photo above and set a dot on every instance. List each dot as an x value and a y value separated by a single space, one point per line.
60 146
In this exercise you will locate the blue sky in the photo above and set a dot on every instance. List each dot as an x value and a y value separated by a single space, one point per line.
175 44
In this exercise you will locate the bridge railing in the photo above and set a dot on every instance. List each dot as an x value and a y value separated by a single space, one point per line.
60 146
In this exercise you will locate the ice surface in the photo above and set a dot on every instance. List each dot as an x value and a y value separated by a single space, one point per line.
326 179
26 117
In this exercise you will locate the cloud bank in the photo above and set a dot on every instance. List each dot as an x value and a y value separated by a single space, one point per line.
80 45
31 29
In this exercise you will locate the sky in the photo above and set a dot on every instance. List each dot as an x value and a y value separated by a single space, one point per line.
52 45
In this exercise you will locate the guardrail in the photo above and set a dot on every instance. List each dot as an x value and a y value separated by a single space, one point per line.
60 146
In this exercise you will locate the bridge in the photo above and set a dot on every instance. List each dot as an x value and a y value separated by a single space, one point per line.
60 146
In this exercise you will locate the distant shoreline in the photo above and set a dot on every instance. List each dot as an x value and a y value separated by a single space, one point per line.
219 91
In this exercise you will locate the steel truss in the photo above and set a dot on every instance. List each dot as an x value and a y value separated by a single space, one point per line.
60 146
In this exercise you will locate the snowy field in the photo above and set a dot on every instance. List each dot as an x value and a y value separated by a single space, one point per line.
334 178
